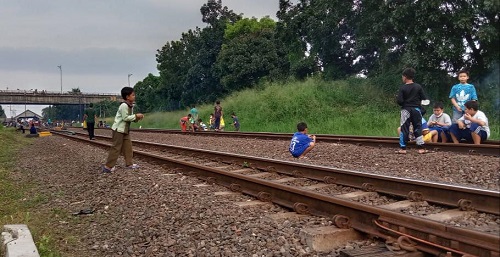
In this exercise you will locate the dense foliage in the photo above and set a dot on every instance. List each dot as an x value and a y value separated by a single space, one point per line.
332 39
354 106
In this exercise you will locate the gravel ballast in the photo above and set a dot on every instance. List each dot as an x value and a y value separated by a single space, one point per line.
156 211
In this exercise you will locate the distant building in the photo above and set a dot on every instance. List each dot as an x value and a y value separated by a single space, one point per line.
28 116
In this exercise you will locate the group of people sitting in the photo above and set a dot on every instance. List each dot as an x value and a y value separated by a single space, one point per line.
189 123
471 127
192 122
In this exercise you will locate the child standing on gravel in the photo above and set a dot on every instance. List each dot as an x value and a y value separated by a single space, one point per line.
410 98
121 137
301 143
461 93
218 114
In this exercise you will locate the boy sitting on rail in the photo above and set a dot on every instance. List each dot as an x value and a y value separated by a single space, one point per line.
203 126
429 136
301 143
472 126
440 122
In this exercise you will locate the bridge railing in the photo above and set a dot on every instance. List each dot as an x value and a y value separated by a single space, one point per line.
45 92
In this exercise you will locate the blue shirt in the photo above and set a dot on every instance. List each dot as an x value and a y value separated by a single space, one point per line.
300 142
463 93
32 130
194 114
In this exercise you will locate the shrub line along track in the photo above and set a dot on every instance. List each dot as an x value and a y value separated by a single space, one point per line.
490 147
434 237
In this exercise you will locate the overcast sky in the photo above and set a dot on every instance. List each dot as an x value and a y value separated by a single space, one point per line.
96 42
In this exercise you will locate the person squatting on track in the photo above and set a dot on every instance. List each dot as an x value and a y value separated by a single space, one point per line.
184 122
410 98
121 137
301 143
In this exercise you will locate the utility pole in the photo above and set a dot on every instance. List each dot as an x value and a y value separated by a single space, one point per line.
60 68
129 79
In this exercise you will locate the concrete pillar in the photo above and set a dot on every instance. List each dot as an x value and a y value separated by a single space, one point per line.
18 242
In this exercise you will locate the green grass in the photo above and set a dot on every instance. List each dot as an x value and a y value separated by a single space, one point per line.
348 107
17 205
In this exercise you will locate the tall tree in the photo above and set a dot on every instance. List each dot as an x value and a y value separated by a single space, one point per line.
175 60
202 84
289 34
446 36
324 31
148 98
249 54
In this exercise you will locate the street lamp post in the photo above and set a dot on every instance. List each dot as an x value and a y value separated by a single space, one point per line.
25 100
129 79
60 68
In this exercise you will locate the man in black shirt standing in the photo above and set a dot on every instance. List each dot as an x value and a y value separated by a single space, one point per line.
410 98
90 116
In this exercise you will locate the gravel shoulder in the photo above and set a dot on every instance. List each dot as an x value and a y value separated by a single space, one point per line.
153 211
156 211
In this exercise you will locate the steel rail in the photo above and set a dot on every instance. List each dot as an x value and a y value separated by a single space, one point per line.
281 135
356 215
439 193
490 147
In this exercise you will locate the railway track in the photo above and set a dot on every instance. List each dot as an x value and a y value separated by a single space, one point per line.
489 148
248 174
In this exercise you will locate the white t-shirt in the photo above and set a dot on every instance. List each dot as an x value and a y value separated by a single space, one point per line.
480 116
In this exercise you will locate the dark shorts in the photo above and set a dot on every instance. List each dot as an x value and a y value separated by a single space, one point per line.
467 132
440 130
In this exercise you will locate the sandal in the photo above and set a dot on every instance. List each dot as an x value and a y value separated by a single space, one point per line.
132 167
424 151
84 212
401 151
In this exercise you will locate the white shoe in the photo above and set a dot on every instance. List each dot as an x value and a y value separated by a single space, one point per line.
106 170
132 167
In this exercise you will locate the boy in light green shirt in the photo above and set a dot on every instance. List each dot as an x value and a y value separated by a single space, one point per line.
121 138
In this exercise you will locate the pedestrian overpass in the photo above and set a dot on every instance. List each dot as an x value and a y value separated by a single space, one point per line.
34 97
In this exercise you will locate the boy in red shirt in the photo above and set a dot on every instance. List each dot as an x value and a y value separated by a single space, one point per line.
184 122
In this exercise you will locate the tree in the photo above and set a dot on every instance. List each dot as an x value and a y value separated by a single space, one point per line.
214 13
248 54
2 112
175 60
48 113
443 37
147 94
323 31
202 84
186 66
64 111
